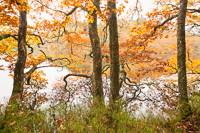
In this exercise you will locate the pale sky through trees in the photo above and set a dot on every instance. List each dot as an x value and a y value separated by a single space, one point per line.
147 5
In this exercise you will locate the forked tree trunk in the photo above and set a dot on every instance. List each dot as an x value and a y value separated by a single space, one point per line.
185 109
97 57
114 52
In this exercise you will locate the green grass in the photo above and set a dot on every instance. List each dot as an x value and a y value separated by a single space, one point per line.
93 120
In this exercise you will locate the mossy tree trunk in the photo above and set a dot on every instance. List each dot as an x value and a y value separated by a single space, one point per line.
21 58
185 109
97 57
114 53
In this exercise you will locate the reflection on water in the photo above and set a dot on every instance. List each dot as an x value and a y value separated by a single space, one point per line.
6 81
53 74
154 91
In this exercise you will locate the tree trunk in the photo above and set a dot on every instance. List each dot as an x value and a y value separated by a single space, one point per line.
114 52
97 57
185 109
22 54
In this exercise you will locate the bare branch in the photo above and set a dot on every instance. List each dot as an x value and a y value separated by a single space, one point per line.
194 10
56 10
40 38
164 22
74 75
5 36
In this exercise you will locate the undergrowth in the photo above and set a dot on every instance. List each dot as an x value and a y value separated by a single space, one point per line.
94 120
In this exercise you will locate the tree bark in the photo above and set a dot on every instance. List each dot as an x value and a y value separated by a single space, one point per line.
185 109
22 54
114 52
97 56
